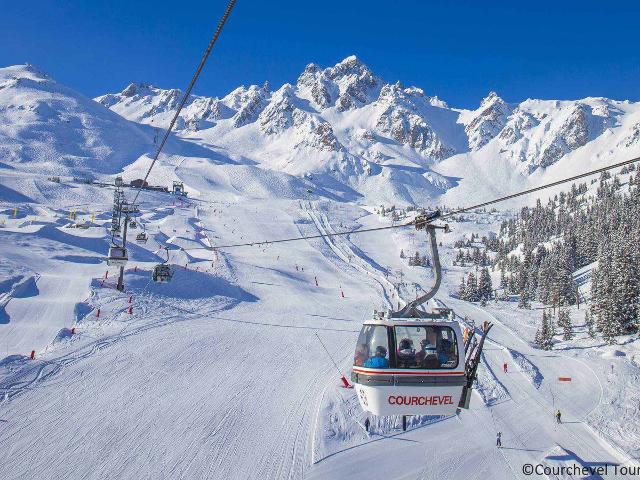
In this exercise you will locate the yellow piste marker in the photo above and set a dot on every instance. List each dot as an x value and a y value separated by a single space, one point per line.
15 212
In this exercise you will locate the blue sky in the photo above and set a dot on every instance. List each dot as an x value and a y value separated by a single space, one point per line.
456 50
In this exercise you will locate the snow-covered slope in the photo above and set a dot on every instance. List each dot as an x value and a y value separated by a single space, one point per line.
46 127
340 132
540 141
219 373
342 128
346 128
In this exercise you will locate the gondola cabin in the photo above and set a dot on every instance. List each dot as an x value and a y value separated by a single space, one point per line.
409 366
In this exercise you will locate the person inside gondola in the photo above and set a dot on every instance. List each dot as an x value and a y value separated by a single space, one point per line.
427 356
446 352
379 360
361 356
406 354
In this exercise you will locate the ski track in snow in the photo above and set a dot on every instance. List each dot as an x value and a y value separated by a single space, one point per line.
236 386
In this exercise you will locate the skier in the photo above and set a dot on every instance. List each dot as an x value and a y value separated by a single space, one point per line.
558 416
367 424
505 366
499 440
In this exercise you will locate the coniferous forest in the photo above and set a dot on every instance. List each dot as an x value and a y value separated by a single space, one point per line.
538 251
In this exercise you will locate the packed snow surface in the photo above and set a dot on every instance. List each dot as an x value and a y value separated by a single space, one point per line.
219 373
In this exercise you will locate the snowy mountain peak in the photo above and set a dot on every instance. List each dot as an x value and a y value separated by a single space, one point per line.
25 71
46 127
346 122
356 83
491 98
351 65
487 121
309 75
139 88
280 113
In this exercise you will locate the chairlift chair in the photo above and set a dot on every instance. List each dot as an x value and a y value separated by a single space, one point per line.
162 273
133 224
141 237
117 256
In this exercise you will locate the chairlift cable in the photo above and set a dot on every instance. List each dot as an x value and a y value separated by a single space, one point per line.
187 92
541 187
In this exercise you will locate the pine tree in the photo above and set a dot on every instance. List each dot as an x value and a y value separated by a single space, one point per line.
543 338
563 314
552 325
524 300
472 288
523 281
539 338
564 320
627 281
462 289
588 321
485 286
605 307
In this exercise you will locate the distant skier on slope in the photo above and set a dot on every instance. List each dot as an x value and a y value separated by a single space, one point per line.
499 440
558 416
505 366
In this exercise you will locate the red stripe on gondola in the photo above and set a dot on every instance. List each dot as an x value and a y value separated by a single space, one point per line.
404 372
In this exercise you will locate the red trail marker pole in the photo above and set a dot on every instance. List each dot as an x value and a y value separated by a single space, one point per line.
33 355
345 382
